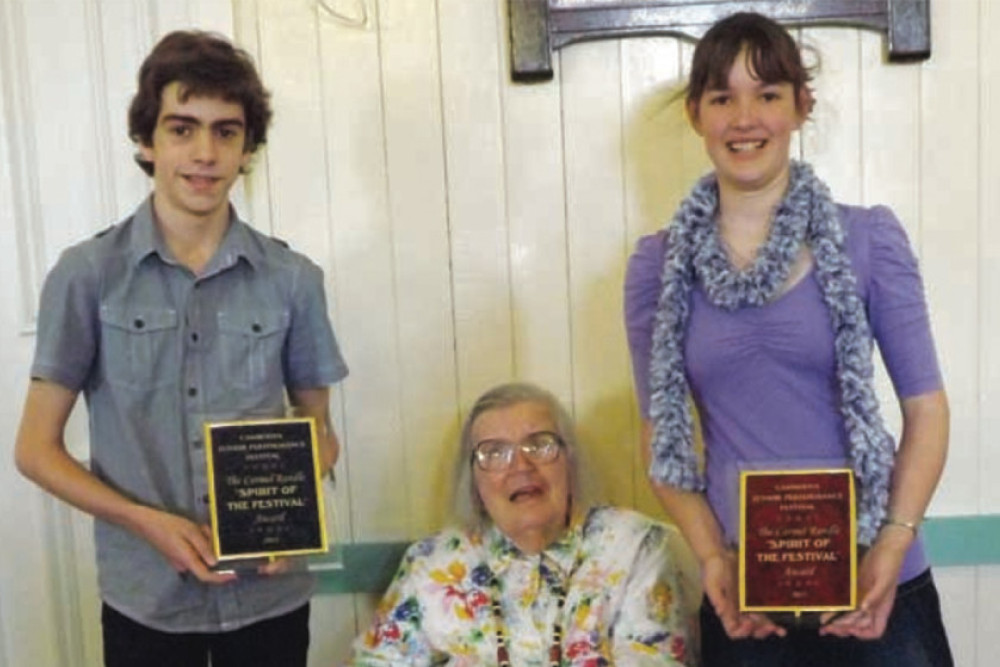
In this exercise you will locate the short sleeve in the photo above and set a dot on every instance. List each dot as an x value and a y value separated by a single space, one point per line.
396 635
652 628
312 355
642 294
897 307
68 327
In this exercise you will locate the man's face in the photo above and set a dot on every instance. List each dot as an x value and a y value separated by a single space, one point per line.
197 153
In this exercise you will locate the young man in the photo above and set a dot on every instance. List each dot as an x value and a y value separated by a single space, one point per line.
179 315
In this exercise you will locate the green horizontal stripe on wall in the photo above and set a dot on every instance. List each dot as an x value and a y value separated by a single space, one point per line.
963 540
367 567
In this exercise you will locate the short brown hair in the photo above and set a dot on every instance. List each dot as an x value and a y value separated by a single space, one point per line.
773 54
204 64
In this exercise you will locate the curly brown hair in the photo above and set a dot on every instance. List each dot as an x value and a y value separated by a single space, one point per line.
204 64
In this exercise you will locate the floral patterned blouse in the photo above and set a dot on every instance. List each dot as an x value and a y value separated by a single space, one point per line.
622 604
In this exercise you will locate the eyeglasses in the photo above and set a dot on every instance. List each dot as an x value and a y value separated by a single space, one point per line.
498 455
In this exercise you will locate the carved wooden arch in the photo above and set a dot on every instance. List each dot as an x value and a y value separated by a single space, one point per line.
537 27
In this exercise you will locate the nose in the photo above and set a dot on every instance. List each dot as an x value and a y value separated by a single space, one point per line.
521 461
204 147
744 113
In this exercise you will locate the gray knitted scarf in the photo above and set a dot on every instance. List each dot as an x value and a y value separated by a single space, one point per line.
807 215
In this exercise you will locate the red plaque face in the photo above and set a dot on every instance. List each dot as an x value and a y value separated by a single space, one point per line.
797 541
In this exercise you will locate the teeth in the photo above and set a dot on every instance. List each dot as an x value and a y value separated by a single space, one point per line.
744 146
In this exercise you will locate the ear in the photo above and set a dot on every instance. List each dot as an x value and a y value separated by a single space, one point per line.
146 152
694 118
245 160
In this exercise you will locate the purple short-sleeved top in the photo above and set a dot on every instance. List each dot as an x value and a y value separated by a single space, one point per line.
764 379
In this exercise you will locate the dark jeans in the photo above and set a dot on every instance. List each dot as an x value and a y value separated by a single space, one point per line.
282 641
914 637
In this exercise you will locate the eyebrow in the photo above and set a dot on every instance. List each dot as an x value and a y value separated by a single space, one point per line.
533 433
759 84
194 120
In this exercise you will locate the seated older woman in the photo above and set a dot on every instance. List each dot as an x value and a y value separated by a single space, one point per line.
534 577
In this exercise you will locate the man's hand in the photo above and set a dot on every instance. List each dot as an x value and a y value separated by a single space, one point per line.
274 566
183 543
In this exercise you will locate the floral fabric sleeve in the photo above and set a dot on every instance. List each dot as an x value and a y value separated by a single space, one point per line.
651 628
396 635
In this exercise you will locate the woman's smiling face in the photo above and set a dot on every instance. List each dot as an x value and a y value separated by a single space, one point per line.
529 502
747 128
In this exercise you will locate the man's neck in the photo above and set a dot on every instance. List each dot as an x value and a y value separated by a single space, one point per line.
192 240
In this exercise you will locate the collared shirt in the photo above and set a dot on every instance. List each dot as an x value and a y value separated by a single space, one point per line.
157 352
623 603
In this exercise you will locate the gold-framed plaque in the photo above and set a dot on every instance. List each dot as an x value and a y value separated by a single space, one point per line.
264 487
798 541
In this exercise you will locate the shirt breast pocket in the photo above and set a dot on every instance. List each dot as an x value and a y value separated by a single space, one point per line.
137 345
251 345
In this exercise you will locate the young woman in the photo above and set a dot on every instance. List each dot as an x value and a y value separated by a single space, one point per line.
760 302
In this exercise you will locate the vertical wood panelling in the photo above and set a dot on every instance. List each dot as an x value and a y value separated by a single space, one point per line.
57 64
532 131
949 208
472 73
890 133
831 138
296 171
30 586
415 170
960 601
989 260
987 625
363 252
4 655
657 136
592 133
87 615
9 310
93 36
21 161
123 48
167 15
299 201
332 629
255 206
52 200
215 16
26 609
653 128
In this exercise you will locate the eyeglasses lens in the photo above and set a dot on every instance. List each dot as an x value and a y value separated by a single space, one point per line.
494 455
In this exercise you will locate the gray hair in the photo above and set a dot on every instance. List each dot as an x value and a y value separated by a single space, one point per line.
469 508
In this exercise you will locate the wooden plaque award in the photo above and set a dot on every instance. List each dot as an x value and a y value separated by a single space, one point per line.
264 488
797 541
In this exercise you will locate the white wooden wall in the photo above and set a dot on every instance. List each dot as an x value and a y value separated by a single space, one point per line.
473 231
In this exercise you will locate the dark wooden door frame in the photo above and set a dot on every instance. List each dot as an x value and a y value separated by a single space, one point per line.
538 27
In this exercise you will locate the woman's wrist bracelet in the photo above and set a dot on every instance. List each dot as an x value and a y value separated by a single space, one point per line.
893 521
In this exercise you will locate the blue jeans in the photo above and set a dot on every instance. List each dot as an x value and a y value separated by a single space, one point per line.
282 641
914 637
